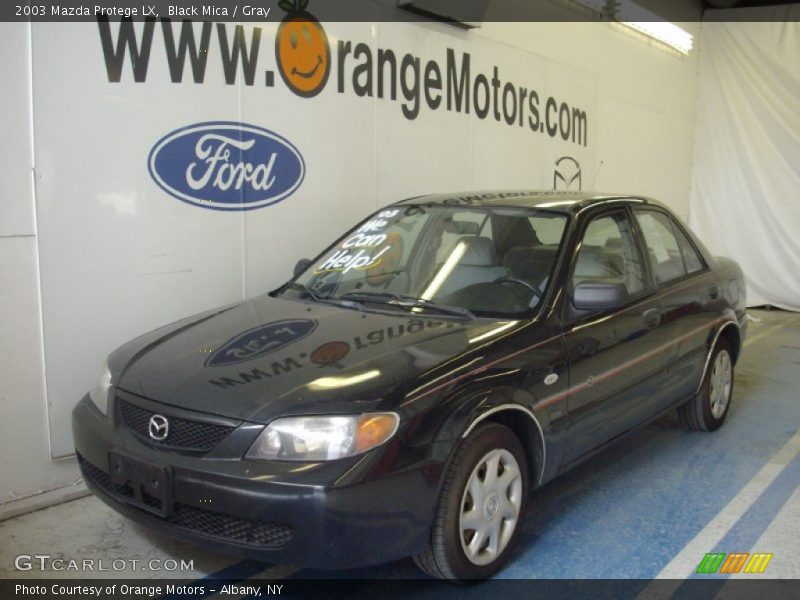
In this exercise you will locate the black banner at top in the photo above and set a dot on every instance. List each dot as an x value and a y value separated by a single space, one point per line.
462 13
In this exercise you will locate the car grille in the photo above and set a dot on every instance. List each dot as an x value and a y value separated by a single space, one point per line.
184 434
215 524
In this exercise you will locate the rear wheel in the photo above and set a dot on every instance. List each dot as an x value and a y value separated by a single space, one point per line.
708 409
481 507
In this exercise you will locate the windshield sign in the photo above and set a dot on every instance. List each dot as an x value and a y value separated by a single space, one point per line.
459 260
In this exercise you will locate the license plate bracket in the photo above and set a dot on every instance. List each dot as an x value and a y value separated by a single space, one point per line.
145 486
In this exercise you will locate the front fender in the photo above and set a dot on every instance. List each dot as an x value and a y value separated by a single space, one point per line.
506 405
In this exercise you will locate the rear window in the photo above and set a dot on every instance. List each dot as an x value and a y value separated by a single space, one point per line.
663 252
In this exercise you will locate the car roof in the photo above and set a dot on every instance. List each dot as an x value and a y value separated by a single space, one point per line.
564 201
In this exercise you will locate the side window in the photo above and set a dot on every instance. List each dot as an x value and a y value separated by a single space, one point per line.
690 256
662 246
608 251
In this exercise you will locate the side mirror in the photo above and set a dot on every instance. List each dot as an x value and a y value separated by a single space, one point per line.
593 295
301 266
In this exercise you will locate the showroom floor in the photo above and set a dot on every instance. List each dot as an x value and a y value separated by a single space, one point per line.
652 506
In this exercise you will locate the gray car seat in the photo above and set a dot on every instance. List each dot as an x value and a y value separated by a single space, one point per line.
479 264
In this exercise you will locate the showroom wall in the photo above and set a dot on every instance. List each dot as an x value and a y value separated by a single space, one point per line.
25 459
116 240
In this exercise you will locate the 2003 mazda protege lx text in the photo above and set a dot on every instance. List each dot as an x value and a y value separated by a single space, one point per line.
407 391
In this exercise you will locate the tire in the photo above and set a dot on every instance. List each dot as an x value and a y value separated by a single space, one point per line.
707 410
456 554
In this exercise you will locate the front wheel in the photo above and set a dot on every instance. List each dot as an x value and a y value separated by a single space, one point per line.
709 407
481 507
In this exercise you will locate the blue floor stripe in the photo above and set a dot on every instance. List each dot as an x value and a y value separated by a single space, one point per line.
750 527
743 536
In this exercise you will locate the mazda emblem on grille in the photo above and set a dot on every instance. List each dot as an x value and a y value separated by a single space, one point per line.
158 428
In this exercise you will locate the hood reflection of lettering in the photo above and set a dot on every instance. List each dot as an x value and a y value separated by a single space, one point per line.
337 351
260 341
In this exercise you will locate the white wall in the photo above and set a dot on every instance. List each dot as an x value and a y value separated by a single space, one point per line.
647 101
25 464
118 256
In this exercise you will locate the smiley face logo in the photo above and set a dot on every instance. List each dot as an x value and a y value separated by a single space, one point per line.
391 254
302 50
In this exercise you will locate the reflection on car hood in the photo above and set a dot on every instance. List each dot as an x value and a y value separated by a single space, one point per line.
268 357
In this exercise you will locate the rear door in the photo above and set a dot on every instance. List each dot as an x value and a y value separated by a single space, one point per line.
688 292
614 361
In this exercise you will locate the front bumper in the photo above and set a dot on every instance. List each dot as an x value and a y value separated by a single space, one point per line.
354 512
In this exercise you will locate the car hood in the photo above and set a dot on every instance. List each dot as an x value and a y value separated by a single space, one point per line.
269 357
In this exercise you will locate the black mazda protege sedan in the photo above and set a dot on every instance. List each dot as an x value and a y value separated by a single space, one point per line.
411 386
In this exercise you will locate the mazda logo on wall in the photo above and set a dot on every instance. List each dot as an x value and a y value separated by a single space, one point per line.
158 428
567 175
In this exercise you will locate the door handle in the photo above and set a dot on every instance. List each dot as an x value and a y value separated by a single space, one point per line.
652 318
713 291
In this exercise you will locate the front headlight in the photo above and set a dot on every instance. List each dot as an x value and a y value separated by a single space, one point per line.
101 388
324 437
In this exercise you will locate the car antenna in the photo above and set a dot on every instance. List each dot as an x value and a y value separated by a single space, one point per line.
596 175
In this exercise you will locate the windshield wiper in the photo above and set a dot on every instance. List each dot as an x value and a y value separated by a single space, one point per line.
294 285
409 301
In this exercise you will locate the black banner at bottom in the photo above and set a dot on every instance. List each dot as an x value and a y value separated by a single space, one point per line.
129 589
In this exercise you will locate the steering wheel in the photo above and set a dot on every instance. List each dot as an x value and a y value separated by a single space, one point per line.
530 286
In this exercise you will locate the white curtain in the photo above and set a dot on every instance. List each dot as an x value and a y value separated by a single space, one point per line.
745 198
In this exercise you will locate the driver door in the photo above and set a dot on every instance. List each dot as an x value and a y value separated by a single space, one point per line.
614 361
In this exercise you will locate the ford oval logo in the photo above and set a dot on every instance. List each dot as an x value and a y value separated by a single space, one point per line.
226 166
261 340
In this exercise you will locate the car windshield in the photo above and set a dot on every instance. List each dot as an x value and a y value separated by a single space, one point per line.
484 260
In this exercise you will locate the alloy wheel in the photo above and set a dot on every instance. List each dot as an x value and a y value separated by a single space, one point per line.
721 380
